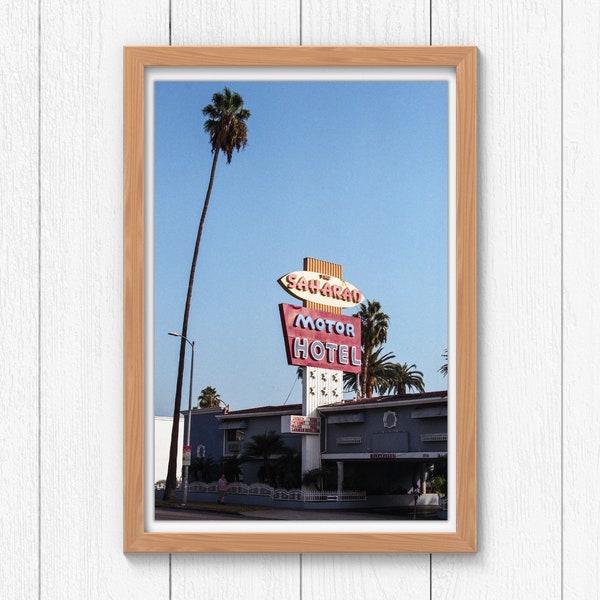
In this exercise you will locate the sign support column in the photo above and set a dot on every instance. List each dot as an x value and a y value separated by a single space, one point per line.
319 386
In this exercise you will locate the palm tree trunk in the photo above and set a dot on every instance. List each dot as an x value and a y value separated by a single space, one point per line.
171 483
364 375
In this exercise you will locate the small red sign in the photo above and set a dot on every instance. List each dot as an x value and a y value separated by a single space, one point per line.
300 424
187 456
317 338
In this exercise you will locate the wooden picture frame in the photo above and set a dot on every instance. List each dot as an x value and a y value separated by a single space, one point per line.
463 60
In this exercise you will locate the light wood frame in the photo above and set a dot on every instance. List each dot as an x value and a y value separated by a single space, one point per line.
464 60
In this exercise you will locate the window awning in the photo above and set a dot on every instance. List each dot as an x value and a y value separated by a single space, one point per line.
233 425
430 411
347 418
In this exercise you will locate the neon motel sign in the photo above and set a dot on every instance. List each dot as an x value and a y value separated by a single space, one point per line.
317 338
320 288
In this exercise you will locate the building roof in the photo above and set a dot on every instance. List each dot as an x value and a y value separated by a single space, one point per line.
263 410
386 402
425 397
442 395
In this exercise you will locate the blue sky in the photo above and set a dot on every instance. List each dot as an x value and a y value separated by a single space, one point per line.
354 173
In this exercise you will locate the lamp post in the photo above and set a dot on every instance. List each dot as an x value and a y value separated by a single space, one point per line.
186 468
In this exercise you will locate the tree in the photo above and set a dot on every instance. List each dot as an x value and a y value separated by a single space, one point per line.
209 398
444 368
378 375
228 131
374 327
286 469
203 469
386 376
402 377
231 468
264 447
315 478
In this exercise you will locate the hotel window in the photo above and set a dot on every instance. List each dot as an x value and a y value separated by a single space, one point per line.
233 441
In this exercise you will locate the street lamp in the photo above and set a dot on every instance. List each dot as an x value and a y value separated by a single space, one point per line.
186 468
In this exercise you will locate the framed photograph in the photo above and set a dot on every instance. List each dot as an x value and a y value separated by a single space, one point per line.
300 299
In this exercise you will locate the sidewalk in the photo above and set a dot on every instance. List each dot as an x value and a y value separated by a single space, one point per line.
317 515
275 514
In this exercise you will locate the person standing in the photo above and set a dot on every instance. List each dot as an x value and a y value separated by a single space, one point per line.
222 488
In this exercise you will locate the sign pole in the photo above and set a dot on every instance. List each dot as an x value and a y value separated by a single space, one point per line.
319 386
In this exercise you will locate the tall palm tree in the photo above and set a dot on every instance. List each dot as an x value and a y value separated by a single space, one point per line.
227 130
403 377
374 327
209 398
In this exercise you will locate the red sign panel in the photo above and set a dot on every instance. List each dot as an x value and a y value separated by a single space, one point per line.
187 456
300 424
317 338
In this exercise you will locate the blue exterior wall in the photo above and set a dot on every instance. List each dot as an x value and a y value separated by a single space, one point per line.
403 432
364 430
260 425
205 432
386 429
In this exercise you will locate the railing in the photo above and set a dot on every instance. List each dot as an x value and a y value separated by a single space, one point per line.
335 496
266 491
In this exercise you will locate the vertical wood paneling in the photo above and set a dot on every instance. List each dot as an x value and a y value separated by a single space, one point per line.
81 300
236 577
235 23
355 22
19 293
581 293
360 23
519 300
365 576
217 23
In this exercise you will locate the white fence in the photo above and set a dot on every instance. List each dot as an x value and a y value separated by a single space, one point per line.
261 489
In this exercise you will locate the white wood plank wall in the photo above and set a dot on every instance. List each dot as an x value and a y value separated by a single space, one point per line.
61 299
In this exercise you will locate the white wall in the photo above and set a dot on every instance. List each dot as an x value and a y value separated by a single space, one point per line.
61 298
162 443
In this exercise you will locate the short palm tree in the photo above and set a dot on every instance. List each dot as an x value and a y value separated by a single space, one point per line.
227 130
203 469
386 376
381 370
209 398
231 468
286 469
378 375
264 447
403 377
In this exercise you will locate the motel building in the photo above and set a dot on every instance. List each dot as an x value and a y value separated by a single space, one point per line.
376 452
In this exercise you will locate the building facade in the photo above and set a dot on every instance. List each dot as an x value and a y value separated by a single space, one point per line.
385 445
